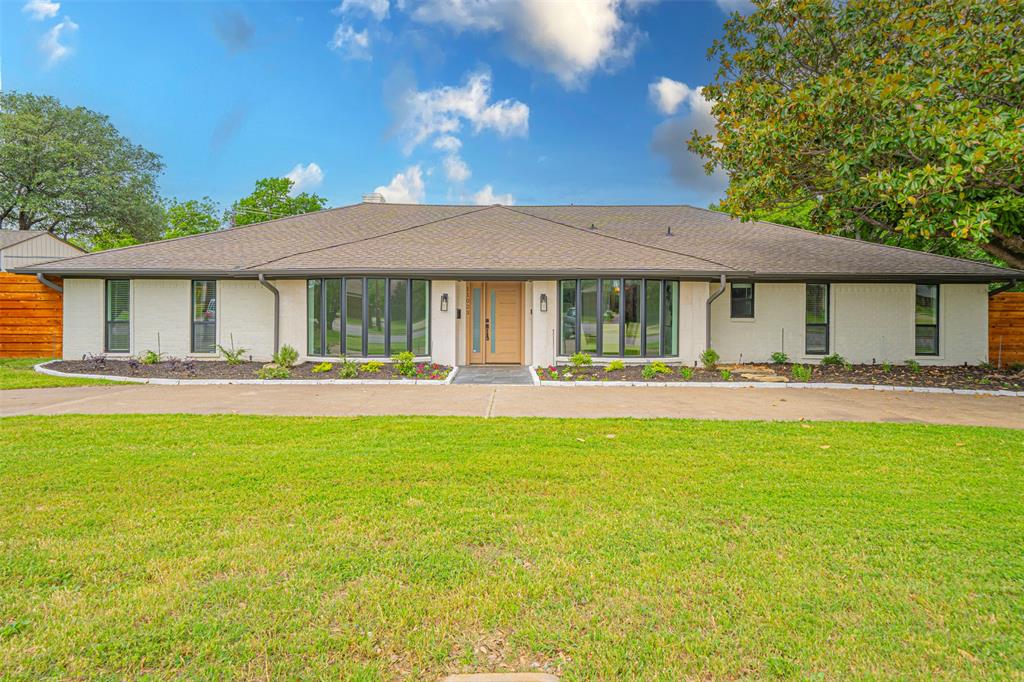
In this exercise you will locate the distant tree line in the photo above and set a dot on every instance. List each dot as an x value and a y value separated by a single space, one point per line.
68 170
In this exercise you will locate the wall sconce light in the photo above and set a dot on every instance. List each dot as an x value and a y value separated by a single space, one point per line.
543 303
444 303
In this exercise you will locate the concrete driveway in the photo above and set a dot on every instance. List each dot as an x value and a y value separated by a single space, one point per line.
521 401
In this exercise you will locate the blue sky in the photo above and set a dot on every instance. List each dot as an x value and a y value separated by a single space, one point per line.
461 101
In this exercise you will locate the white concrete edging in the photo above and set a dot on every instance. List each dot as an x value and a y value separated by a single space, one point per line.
783 384
158 381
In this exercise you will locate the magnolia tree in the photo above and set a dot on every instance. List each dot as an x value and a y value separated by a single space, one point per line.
902 118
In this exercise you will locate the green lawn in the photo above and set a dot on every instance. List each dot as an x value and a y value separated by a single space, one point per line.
18 373
228 547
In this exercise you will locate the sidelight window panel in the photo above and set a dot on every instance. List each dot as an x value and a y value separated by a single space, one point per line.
926 319
420 316
204 316
619 317
118 316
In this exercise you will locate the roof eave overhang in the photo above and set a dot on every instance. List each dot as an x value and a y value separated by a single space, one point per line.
887 278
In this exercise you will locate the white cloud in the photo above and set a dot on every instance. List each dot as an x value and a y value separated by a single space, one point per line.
41 9
350 43
567 38
405 188
51 46
305 177
670 137
455 169
448 143
486 197
667 94
378 9
441 111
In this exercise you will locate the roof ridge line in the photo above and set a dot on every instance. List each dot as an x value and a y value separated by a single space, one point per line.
363 239
621 239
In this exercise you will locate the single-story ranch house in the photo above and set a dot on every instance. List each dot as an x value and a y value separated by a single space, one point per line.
526 285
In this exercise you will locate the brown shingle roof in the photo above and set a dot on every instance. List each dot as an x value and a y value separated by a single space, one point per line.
520 241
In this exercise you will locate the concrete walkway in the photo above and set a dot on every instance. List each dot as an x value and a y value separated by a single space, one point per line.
521 401
510 375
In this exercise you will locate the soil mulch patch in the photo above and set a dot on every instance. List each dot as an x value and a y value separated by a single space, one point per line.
217 369
901 375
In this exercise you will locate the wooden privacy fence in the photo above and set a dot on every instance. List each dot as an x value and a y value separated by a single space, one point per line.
1006 328
31 316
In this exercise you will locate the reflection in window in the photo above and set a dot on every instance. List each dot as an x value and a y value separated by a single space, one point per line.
359 316
627 318
816 320
926 319
204 316
420 316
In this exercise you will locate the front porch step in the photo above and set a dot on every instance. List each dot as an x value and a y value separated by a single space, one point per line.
516 375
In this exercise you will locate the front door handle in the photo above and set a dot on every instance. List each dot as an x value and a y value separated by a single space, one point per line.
487 329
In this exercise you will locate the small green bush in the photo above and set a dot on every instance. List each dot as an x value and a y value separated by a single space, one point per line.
835 359
886 367
286 357
322 367
686 373
725 374
615 366
233 356
654 369
780 358
914 366
347 370
404 363
581 359
710 358
802 372
273 371
150 357
373 366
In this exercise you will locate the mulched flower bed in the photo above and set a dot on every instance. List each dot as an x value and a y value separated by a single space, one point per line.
901 375
217 369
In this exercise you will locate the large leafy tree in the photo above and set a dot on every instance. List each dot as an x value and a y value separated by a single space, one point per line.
194 216
69 171
895 120
272 199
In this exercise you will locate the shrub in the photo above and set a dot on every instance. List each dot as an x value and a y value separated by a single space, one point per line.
725 374
96 361
373 366
802 372
581 359
615 366
914 366
780 358
835 359
404 363
286 357
347 370
150 357
273 371
709 358
322 367
233 356
655 369
886 367
686 373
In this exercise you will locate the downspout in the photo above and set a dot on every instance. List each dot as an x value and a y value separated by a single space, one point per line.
711 299
47 283
277 310
998 290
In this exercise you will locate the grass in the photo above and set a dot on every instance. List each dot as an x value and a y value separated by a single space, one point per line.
18 373
229 547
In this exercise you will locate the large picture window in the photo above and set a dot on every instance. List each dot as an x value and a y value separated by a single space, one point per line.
204 316
118 316
926 319
816 320
619 317
367 316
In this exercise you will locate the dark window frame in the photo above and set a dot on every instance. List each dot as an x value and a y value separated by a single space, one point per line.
828 319
732 301
935 326
663 285
365 304
106 316
192 318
